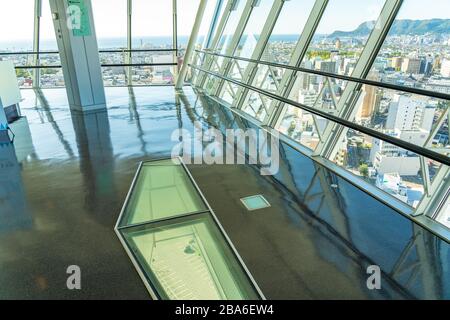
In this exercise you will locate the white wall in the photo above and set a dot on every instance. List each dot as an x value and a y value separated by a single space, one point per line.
404 166
9 89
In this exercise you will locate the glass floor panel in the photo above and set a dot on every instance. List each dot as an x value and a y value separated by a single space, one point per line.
189 260
162 190
175 241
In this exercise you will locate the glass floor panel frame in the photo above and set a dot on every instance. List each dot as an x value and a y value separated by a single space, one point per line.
121 228
131 207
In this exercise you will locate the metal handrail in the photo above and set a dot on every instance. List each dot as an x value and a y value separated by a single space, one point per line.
422 92
100 51
104 65
371 132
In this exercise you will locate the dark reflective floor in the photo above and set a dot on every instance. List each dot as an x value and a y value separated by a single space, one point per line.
64 180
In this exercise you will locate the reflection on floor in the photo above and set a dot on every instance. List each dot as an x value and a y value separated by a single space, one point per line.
62 188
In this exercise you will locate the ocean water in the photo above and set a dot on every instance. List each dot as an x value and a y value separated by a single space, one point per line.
114 43
103 43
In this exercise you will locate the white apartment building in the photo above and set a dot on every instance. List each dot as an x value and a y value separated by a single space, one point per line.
410 114
445 68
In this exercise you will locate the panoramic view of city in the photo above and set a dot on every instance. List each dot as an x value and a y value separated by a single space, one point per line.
415 54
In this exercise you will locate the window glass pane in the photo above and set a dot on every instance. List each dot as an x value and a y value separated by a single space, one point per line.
416 52
341 35
388 167
247 45
152 24
47 40
111 36
51 77
416 119
25 77
186 12
253 29
257 106
224 42
335 48
230 27
208 20
205 60
279 49
317 91
158 74
17 25
110 18
302 126
444 216
287 31
227 35
152 28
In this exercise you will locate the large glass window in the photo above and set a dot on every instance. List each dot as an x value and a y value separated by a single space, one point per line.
205 26
152 29
416 52
230 27
225 39
392 169
341 35
246 46
110 17
111 36
152 24
335 48
444 216
17 25
279 49
287 31
49 77
417 119
186 13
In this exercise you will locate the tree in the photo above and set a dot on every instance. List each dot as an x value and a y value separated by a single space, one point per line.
364 170
22 73
291 129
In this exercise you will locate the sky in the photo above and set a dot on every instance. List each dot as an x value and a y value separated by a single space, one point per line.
154 17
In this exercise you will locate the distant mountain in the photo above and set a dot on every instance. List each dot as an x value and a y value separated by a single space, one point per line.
400 27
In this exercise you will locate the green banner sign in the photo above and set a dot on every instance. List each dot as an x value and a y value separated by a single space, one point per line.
78 18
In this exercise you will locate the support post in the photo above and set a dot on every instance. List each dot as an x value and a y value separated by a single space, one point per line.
36 44
77 42
191 45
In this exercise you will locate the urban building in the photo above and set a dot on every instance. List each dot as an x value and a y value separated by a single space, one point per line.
411 65
409 114
445 68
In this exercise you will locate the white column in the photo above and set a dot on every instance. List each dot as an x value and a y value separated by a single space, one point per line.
77 43
191 45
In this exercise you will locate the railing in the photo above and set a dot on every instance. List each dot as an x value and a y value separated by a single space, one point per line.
346 123
100 51
427 93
